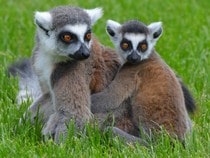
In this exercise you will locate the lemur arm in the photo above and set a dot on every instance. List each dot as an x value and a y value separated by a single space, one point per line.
111 97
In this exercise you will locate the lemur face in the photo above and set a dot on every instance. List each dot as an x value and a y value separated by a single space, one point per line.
66 31
74 41
134 40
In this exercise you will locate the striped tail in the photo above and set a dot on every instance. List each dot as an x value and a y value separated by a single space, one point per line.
29 87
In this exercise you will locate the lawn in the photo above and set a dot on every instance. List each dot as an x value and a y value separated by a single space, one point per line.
185 46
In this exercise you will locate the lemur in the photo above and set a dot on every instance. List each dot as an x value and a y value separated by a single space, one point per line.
71 77
146 94
69 64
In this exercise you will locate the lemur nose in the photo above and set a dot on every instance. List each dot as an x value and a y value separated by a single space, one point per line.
82 53
134 57
86 54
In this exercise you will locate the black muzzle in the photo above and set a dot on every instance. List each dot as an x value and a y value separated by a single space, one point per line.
81 54
134 58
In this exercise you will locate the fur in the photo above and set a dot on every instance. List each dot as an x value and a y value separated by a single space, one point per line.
145 94
68 83
73 82
29 88
58 62
154 97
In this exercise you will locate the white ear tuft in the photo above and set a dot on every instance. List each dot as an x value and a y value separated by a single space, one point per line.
94 14
43 20
112 27
155 29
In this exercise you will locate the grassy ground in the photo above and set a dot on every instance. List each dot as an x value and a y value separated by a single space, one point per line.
184 45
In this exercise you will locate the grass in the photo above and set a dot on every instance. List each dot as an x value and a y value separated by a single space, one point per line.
184 46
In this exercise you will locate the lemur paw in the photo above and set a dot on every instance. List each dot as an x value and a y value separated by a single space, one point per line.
56 128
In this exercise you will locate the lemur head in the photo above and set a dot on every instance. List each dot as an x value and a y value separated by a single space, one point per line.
134 40
66 31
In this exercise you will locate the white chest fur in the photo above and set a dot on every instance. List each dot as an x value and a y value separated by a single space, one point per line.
44 67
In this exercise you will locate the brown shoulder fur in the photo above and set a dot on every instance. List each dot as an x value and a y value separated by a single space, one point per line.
105 66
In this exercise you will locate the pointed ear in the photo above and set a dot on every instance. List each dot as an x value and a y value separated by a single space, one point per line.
94 14
43 20
155 30
112 28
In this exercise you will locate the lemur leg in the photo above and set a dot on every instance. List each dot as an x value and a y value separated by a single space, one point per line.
41 108
105 121
128 137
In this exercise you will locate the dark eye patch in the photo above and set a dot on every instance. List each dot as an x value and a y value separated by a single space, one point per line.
126 45
88 36
67 37
142 46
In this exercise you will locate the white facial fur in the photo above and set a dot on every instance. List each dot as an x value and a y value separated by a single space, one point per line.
79 30
135 40
114 31
49 42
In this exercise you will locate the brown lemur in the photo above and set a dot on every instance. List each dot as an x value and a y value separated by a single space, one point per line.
145 95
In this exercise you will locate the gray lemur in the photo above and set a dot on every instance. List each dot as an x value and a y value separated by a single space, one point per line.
145 86
64 40
69 64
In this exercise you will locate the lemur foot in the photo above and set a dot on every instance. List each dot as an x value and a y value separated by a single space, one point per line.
128 138
56 128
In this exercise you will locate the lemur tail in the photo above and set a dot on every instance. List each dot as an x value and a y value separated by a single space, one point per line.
188 98
28 82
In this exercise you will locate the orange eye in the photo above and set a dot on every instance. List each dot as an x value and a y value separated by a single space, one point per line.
67 38
143 47
125 45
88 36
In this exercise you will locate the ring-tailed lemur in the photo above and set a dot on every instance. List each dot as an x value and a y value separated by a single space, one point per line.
145 86
102 66
63 41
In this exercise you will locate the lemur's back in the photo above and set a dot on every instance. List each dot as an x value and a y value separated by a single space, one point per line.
159 99
145 91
